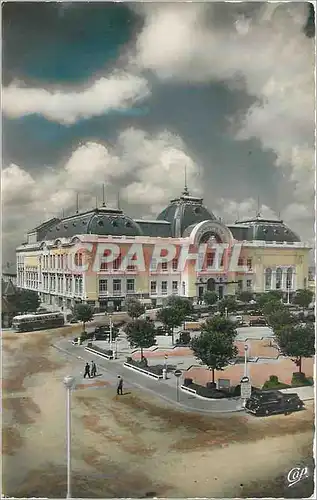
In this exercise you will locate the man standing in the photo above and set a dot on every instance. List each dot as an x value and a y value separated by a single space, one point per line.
87 371
93 369
120 386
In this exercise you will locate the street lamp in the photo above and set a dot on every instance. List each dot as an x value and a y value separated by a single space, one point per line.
110 332
246 348
69 383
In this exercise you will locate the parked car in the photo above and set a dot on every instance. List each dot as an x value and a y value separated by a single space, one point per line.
258 322
265 403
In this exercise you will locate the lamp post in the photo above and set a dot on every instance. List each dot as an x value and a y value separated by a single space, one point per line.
110 332
246 348
69 383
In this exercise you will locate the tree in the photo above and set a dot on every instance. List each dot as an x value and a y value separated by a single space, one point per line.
271 296
228 304
245 296
141 333
84 313
134 307
279 317
170 317
272 307
24 301
210 298
297 341
303 298
182 304
215 345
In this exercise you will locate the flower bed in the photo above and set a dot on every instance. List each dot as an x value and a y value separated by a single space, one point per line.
141 367
103 353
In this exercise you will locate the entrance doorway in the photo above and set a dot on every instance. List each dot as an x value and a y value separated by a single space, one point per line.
211 285
220 292
201 292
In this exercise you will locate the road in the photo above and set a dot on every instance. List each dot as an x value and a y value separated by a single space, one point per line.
164 389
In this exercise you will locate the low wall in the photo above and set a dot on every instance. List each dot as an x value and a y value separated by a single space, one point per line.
98 353
142 371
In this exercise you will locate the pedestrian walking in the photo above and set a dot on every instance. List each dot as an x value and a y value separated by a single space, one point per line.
93 369
120 386
87 371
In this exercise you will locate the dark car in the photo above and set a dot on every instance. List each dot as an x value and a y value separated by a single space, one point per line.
272 402
258 322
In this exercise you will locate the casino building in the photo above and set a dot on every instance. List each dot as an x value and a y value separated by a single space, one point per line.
273 256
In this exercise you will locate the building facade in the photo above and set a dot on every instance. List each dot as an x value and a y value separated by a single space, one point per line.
271 257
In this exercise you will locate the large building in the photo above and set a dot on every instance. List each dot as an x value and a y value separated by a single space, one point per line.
273 256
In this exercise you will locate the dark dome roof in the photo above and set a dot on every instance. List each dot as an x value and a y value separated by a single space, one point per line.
184 212
263 230
103 221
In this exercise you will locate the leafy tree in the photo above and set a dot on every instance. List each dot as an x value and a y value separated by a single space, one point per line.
134 307
210 298
182 304
184 338
215 345
245 296
170 317
279 317
271 296
303 298
141 333
24 301
272 307
228 304
84 313
296 341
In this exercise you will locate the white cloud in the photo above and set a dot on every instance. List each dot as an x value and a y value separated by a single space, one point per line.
117 92
148 170
266 53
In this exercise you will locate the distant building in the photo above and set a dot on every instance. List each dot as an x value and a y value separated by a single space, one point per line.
273 256
8 310
9 273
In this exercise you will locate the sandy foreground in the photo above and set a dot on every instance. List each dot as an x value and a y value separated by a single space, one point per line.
135 446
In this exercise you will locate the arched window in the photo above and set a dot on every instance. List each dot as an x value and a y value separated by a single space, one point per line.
211 285
289 278
279 274
268 278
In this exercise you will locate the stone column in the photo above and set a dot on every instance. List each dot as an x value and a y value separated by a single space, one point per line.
273 280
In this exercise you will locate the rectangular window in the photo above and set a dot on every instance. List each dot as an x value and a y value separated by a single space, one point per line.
164 266
153 287
153 265
130 285
249 283
104 266
175 264
240 285
174 286
240 261
164 287
249 264
117 287
210 259
103 285
117 263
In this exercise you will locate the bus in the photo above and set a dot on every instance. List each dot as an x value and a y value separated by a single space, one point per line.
30 322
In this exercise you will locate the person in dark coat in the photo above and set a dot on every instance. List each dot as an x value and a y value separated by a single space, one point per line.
87 371
120 386
93 369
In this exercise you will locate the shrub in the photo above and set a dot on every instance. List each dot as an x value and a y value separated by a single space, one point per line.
274 383
184 338
211 385
129 359
236 391
188 382
300 379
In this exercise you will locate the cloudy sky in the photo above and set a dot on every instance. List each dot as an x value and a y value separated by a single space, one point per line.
129 94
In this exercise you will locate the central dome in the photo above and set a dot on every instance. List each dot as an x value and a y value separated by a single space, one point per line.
185 211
